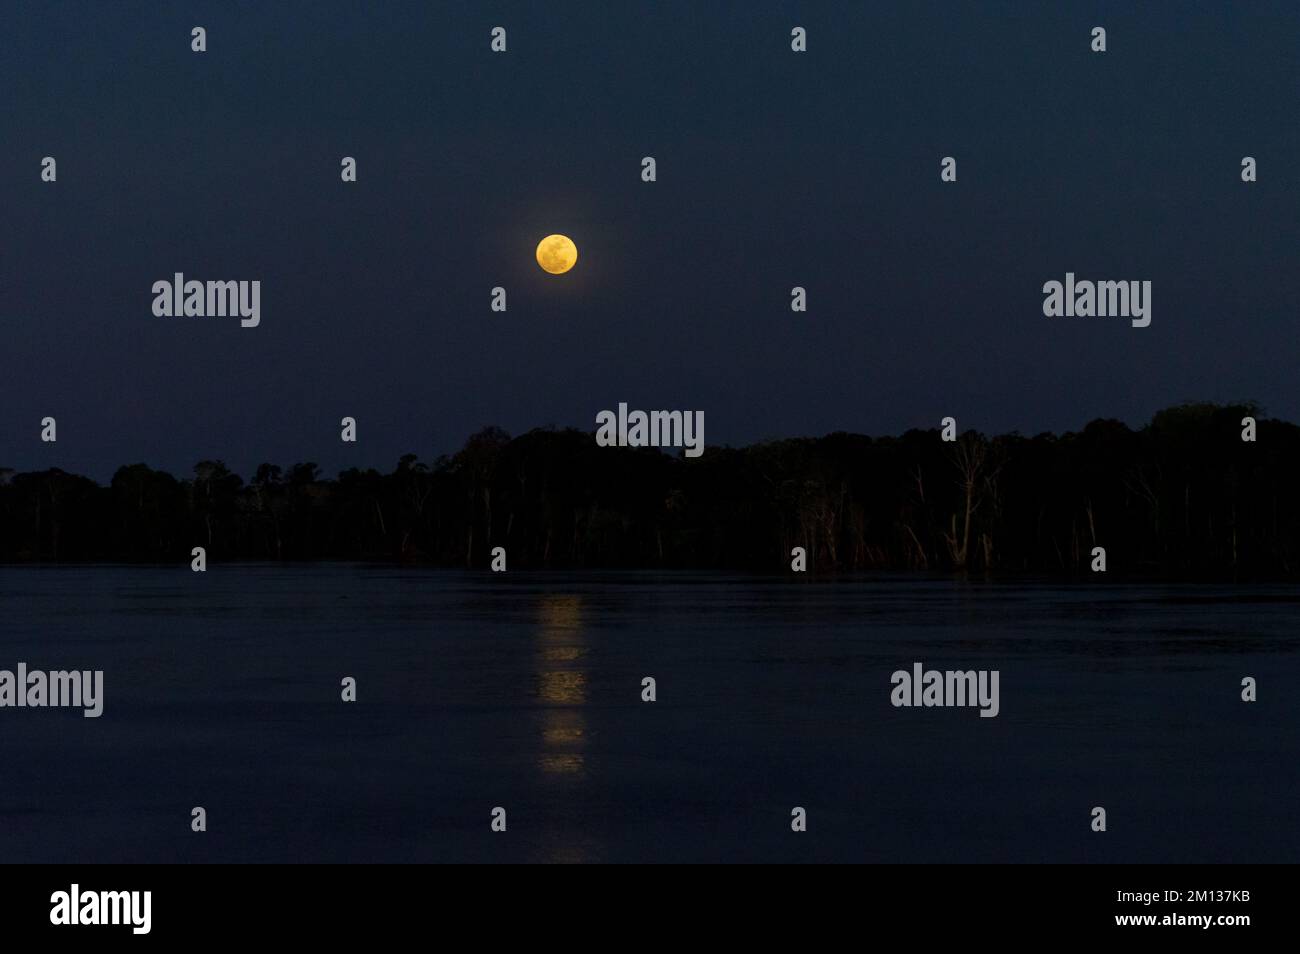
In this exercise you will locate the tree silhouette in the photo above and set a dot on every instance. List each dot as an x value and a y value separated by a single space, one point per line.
1183 497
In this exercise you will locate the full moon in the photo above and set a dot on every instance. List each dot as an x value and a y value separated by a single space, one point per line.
557 254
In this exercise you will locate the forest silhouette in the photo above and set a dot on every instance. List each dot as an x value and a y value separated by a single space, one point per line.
1182 497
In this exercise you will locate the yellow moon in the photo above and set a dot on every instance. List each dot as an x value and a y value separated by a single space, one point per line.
557 254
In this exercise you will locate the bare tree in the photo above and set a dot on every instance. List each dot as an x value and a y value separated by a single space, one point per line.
977 469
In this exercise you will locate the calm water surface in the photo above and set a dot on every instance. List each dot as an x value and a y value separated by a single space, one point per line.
523 690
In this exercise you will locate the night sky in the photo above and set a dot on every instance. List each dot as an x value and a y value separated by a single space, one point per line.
775 169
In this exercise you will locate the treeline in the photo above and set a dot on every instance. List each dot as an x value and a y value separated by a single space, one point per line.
1184 496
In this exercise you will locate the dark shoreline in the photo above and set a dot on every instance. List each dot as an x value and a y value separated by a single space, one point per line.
685 574
1187 497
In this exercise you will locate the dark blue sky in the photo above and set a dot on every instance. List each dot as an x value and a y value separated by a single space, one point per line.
775 169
